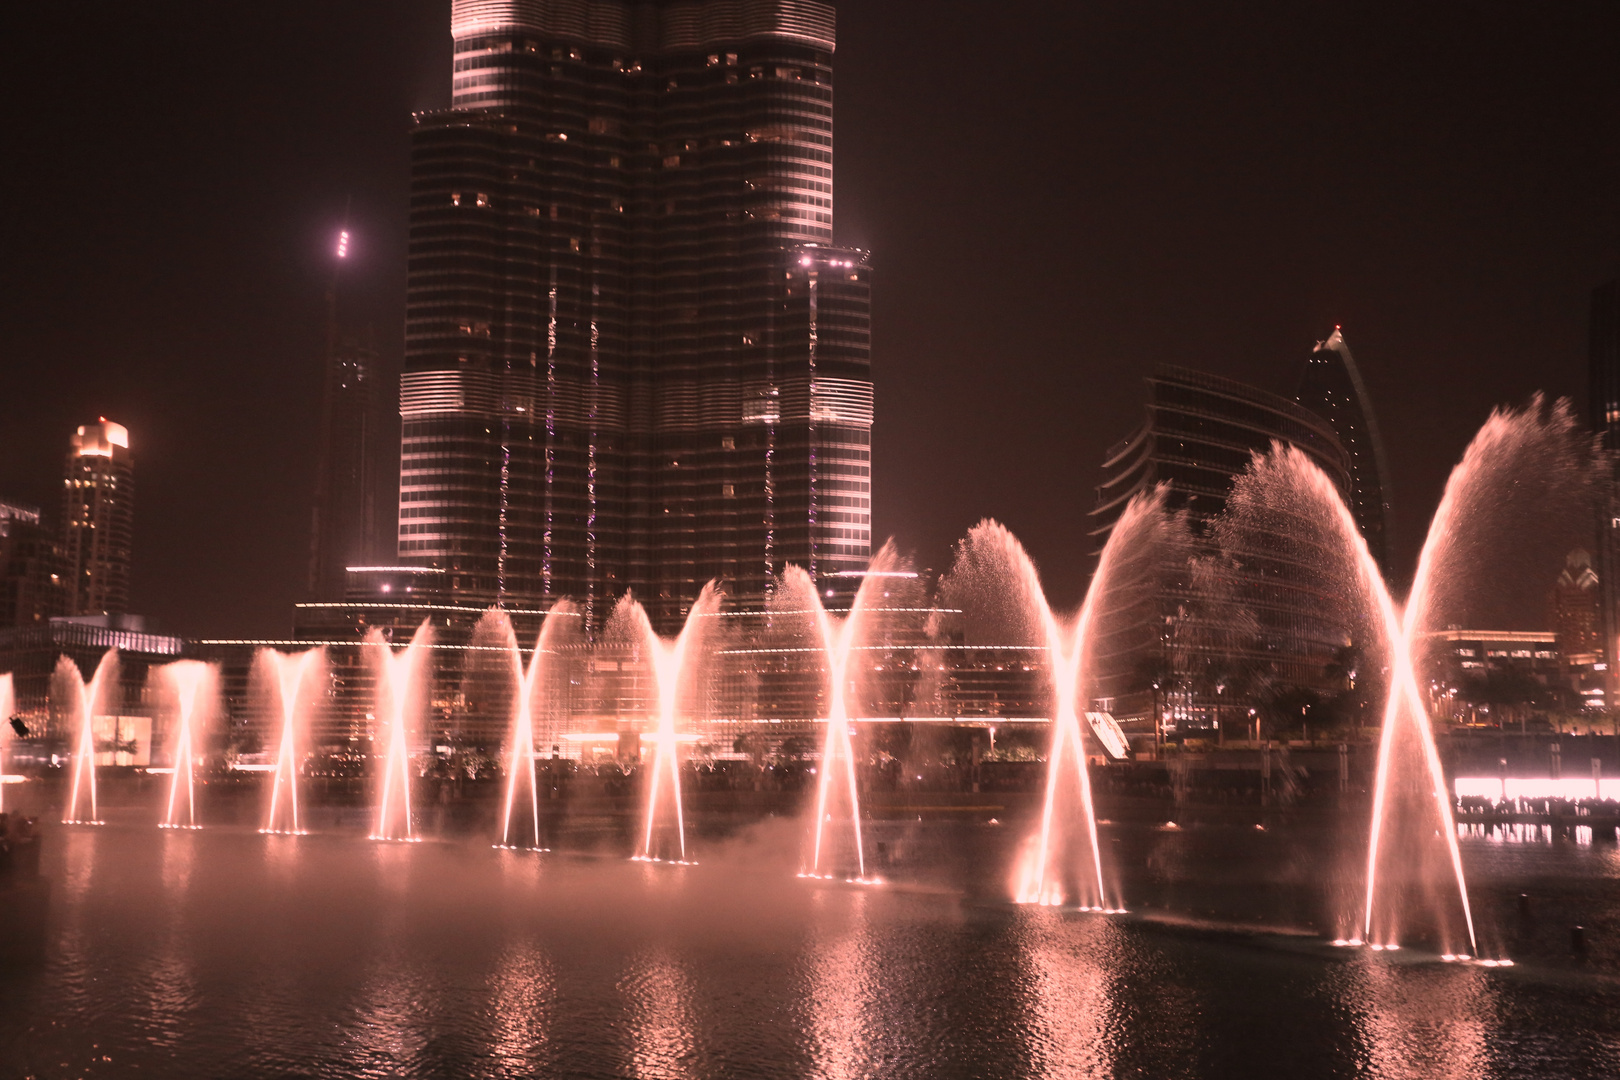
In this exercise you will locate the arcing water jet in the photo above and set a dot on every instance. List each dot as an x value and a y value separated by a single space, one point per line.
672 662
838 639
188 678
86 697
993 571
1414 868
1518 470
399 675
289 673
526 685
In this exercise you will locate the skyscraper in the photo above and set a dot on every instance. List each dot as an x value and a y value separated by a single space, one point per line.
1263 619
343 530
98 519
1331 387
1603 364
633 358
32 589
1603 413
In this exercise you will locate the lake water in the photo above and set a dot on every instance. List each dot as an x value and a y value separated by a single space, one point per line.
223 953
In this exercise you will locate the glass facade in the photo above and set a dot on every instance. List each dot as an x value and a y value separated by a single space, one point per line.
1257 614
634 360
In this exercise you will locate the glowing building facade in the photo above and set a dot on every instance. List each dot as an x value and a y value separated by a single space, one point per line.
634 359
98 519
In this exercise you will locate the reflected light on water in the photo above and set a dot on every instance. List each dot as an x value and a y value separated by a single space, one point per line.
170 987
523 994
1074 1023
1429 1020
659 994
840 998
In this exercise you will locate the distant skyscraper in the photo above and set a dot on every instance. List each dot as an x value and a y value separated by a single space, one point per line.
98 519
633 358
344 523
1574 607
1331 387
1603 412
32 589
1603 364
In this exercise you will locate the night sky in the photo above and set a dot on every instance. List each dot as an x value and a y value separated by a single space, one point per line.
1059 196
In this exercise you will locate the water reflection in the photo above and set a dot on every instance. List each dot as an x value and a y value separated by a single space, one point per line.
659 993
1426 1020
1074 1020
841 993
387 1033
170 984
523 989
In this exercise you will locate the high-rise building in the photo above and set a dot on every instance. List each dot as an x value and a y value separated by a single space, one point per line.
344 524
1264 621
1331 387
32 585
1575 608
98 519
1603 364
633 357
1603 413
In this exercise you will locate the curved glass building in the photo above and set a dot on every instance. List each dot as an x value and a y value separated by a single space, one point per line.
1256 621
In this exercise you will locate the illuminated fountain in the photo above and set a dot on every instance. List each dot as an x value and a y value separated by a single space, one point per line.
999 590
1516 469
400 675
289 674
837 639
526 686
188 679
81 806
673 663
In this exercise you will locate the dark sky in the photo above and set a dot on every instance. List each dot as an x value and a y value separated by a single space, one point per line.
1059 195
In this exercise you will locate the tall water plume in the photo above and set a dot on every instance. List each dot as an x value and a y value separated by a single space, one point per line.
527 696
837 786
401 676
1524 469
190 682
997 587
295 679
674 664
69 687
